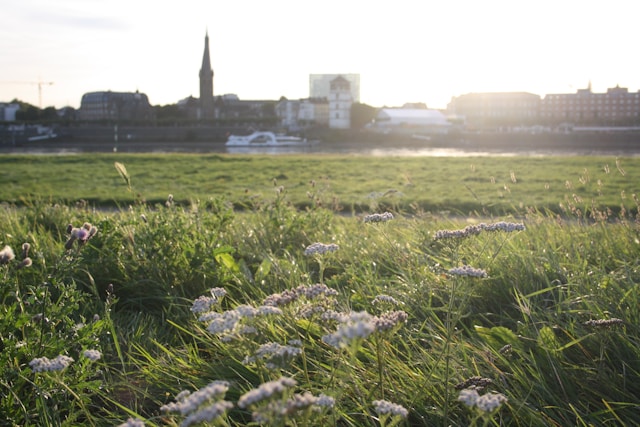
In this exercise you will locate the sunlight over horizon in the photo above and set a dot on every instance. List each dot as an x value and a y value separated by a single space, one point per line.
408 51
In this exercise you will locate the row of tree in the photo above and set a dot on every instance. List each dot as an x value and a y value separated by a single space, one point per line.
170 114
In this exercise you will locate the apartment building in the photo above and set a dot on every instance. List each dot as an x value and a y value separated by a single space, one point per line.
616 107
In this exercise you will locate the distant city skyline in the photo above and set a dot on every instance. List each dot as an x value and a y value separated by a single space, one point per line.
406 51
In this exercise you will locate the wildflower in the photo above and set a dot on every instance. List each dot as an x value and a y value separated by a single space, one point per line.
274 412
6 255
314 291
93 355
466 270
44 364
131 422
485 403
507 227
187 403
385 299
276 355
25 249
384 217
290 295
208 413
281 299
307 311
478 383
469 397
472 230
81 235
490 401
604 323
388 321
265 391
27 262
300 401
320 248
355 326
221 323
143 217
325 401
203 304
383 407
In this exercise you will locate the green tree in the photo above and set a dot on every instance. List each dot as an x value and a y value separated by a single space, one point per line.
361 114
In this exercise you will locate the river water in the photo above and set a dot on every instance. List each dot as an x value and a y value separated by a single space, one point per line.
403 149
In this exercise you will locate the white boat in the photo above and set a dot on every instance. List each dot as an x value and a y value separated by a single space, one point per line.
266 139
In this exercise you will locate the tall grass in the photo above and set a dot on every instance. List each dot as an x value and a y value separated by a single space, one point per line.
413 320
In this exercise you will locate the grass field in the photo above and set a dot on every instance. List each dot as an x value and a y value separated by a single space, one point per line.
243 300
353 183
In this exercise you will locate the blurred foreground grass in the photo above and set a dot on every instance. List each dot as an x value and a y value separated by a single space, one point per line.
172 294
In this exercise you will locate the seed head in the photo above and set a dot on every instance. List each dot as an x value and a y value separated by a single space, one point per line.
6 255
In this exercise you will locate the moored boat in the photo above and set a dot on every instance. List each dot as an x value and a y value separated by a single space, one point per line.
267 139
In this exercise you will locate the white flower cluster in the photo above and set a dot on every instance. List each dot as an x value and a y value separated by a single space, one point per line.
6 255
42 364
276 410
507 227
389 320
486 403
472 230
384 217
320 248
229 321
604 323
205 303
191 404
265 391
384 407
359 325
386 299
208 413
132 422
93 355
352 327
290 295
276 355
466 270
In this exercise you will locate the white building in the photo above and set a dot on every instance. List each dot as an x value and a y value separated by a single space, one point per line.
8 111
340 102
298 114
319 85
411 120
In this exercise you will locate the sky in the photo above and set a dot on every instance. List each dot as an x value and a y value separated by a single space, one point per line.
404 50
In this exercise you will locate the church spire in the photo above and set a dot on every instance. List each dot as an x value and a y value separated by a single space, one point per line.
206 82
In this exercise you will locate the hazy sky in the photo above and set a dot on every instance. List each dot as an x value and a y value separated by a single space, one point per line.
404 50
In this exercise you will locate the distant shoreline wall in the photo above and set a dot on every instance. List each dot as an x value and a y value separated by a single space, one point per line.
159 134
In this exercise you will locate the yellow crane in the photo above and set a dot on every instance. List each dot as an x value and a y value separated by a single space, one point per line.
40 83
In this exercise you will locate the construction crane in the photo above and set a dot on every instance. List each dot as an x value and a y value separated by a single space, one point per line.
40 83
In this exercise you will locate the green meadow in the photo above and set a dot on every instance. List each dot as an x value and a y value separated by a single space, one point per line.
350 183
219 290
